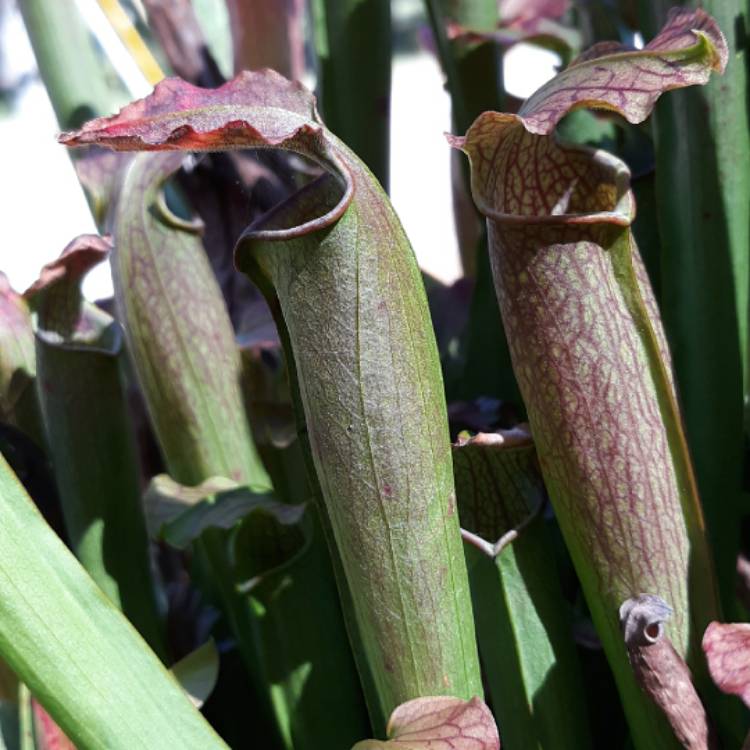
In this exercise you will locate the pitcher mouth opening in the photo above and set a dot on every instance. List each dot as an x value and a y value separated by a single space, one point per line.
315 206
319 203
595 190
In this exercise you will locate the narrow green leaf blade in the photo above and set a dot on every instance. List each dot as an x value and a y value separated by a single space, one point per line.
78 655
68 62
584 331
353 46
91 444
474 80
703 185
305 652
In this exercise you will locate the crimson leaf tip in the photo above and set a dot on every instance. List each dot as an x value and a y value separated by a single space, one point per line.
179 115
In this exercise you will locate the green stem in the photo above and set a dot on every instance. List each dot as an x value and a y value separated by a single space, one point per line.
474 75
93 452
25 720
353 45
703 184
68 63
83 402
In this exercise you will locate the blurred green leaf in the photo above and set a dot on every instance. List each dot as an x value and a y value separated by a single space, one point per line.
353 46
70 65
473 69
215 21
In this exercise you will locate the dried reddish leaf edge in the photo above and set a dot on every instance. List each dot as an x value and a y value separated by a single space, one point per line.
178 116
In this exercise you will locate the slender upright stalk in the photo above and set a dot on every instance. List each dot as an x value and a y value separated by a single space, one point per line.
473 71
703 189
353 45
68 63
82 396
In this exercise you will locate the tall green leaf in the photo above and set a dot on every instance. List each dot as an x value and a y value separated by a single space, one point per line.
189 367
353 46
83 401
336 261
472 66
587 344
79 656
703 189
68 63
